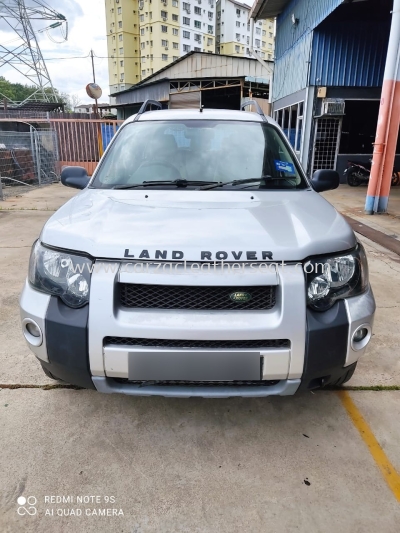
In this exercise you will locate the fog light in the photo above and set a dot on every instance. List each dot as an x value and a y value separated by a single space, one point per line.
32 332
361 337
360 334
33 329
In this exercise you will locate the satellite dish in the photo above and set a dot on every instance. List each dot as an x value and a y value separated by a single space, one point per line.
94 91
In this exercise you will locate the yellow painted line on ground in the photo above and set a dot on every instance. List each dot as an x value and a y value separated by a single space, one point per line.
388 471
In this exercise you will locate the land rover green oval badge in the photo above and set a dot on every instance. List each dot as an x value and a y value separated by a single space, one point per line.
240 297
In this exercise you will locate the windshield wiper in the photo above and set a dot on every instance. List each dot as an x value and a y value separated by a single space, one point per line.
177 183
235 182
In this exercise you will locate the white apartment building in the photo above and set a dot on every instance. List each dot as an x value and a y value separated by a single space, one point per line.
233 31
197 26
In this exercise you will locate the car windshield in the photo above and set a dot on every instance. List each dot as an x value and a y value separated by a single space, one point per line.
199 154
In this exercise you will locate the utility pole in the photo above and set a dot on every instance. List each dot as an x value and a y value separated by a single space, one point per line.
96 108
388 124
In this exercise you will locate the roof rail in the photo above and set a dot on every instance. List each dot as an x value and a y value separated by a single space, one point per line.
144 106
257 106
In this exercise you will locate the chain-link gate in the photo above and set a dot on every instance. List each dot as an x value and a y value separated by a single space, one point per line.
27 159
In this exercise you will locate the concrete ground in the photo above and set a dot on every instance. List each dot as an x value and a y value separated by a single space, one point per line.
316 462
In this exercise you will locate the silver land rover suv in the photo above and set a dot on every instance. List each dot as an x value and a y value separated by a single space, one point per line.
198 260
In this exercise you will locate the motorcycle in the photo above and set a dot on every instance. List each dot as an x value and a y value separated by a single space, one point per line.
358 172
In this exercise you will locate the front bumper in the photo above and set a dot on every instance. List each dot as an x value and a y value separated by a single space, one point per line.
321 351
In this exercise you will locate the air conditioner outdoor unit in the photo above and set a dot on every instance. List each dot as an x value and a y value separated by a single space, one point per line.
166 48
332 106
164 18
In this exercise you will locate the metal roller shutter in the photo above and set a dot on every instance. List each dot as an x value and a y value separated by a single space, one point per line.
185 100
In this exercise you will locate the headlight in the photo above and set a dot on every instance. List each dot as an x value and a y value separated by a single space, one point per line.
333 278
59 273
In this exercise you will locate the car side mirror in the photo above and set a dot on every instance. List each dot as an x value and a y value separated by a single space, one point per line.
75 177
325 180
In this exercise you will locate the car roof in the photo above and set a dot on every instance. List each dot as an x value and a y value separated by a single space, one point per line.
195 114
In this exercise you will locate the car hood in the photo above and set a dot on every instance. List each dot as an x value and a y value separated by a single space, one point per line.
278 225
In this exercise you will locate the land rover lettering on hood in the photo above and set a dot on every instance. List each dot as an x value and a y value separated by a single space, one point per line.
198 260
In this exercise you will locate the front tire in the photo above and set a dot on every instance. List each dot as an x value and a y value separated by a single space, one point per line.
352 179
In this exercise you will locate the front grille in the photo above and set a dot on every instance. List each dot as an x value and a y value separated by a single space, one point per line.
187 297
249 383
179 343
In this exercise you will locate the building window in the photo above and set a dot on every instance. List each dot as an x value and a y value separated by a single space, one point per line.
164 42
121 51
186 21
197 10
186 6
121 63
143 72
142 45
264 33
210 15
258 31
210 29
186 48
186 34
237 49
269 56
175 18
175 45
175 3
164 29
174 31
164 15
120 24
263 44
174 58
164 57
209 41
141 18
197 24
238 36
120 37
257 41
291 121
197 49
141 31
237 24
119 10
238 12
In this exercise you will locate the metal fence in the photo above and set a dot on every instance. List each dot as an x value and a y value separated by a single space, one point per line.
27 159
34 158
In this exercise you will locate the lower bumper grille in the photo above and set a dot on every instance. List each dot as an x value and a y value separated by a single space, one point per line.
253 383
179 343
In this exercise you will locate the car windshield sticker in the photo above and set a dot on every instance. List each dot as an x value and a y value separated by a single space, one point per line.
284 166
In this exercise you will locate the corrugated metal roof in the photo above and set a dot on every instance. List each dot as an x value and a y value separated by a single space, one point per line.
204 65
265 9
349 54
